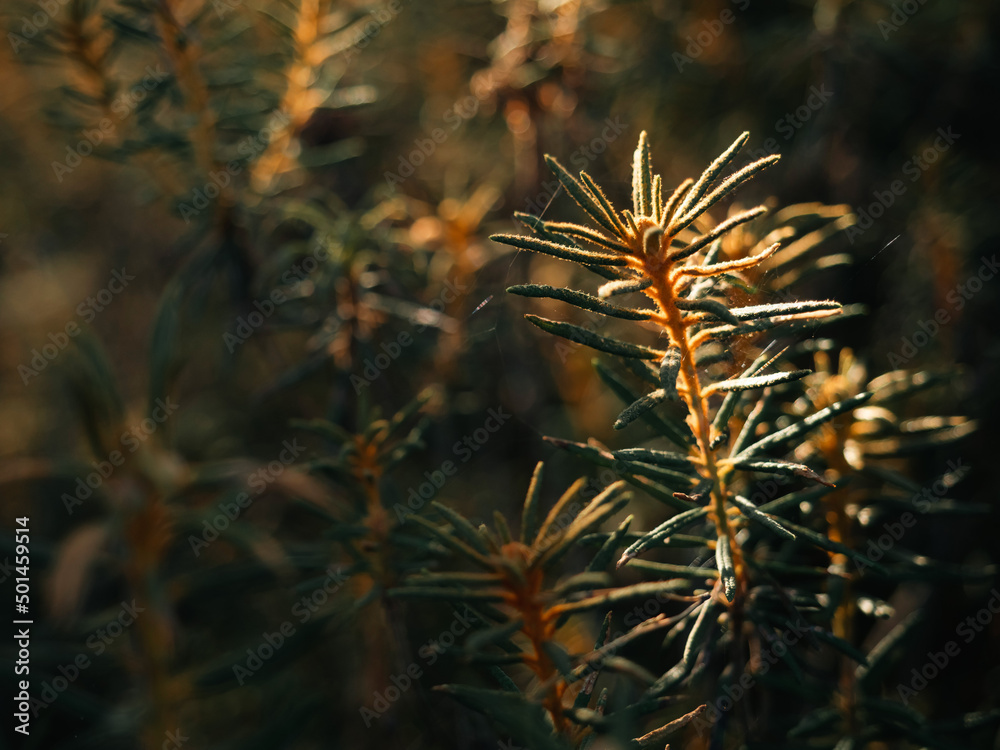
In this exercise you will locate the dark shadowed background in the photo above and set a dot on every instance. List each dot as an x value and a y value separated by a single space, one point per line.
433 135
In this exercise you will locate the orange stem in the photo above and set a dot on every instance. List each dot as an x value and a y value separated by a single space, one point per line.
662 292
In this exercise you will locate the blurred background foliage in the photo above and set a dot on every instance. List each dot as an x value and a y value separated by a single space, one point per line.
388 140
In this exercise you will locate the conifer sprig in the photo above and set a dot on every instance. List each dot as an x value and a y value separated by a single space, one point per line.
521 611
660 256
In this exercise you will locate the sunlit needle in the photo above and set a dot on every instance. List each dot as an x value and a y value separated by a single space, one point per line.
886 245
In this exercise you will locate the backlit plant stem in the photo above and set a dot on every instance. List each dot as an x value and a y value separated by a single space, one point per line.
299 102
662 292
